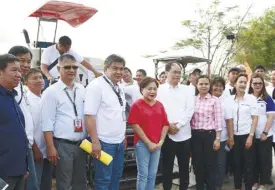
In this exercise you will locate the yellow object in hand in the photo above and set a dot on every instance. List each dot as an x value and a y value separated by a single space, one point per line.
88 147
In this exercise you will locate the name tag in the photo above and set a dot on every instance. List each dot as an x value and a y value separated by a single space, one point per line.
78 125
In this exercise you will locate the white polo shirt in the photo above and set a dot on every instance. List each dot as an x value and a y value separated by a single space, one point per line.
243 111
132 93
265 107
227 91
227 114
24 104
36 115
50 54
179 104
102 103
57 112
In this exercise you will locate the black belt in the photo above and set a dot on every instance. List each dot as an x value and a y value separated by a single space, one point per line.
203 130
67 141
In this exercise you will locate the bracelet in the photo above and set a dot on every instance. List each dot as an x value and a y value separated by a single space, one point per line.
218 138
251 134
160 143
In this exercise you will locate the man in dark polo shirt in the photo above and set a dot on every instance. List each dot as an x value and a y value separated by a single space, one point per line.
13 140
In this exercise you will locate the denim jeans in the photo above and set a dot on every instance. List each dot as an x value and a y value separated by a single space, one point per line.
108 177
31 183
44 174
147 165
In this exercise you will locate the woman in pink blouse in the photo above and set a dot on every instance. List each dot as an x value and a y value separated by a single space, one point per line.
206 127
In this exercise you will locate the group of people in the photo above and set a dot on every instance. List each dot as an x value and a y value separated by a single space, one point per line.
203 120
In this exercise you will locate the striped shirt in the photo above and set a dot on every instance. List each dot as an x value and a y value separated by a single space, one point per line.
208 113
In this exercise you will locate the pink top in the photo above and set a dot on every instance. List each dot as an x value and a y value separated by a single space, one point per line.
208 113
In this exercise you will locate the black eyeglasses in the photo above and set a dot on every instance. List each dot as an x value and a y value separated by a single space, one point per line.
68 67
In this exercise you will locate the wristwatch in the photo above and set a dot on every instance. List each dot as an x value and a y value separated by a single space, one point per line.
266 133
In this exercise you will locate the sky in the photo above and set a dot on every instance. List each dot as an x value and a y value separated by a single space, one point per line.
130 28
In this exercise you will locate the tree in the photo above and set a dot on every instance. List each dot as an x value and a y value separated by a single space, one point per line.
214 33
257 41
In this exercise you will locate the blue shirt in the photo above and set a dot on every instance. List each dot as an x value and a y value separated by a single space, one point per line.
13 141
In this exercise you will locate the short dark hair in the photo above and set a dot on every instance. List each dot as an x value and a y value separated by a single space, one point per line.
162 73
203 77
146 81
112 59
234 69
66 57
5 59
142 71
127 69
196 71
217 80
169 65
65 41
32 71
19 50
259 67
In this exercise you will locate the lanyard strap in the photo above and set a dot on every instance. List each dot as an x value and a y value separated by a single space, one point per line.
73 102
117 93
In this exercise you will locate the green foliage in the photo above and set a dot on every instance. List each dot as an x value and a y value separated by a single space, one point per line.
256 41
209 31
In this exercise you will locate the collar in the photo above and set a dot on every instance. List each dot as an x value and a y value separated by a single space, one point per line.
33 95
170 86
5 91
206 97
62 86
229 86
115 85
244 97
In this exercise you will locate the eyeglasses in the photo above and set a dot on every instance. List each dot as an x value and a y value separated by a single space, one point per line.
257 83
68 67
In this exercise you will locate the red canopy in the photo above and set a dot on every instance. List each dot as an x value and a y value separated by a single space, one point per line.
73 13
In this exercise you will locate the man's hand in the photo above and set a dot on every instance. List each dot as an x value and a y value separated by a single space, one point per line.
52 155
26 175
38 156
96 153
173 129
230 142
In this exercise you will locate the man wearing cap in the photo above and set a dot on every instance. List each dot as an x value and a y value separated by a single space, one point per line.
193 77
232 75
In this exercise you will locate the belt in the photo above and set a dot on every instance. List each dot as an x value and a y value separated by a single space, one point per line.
203 130
67 141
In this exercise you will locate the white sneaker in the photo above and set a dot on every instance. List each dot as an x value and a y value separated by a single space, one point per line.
255 187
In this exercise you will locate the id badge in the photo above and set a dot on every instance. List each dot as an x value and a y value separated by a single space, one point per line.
78 125
124 116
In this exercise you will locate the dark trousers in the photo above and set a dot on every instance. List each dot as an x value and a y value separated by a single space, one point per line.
244 162
263 155
181 150
204 158
221 165
15 183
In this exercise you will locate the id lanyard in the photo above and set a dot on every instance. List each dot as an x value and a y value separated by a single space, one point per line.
73 102
117 93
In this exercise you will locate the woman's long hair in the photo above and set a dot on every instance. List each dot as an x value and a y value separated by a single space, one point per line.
263 93
234 91
204 77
